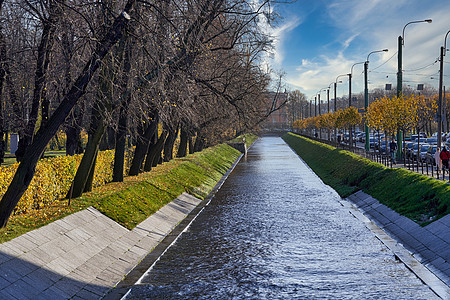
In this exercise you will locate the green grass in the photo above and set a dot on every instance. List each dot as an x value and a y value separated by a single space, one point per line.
249 139
132 201
415 196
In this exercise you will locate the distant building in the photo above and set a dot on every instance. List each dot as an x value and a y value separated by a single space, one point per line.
278 118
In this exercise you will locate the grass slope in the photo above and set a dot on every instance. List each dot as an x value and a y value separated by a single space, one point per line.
415 196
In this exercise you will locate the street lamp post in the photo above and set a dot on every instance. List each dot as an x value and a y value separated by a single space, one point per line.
315 106
366 94
441 80
328 96
350 97
335 99
401 42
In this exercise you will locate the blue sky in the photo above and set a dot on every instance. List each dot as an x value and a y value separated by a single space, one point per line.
318 40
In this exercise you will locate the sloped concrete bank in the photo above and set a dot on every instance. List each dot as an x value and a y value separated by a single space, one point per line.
86 254
424 250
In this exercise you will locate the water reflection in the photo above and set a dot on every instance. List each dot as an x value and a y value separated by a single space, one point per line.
275 231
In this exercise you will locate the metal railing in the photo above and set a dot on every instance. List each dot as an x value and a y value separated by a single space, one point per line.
410 163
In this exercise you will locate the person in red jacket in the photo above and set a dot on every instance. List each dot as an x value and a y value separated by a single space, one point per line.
445 156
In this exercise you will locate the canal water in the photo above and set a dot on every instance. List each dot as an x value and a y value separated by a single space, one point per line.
276 231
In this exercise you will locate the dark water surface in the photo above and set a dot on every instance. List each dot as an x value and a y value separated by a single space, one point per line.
275 231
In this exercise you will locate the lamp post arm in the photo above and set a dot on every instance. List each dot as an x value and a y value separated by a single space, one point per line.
445 42
403 31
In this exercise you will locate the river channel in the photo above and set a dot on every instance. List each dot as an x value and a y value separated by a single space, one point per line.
276 231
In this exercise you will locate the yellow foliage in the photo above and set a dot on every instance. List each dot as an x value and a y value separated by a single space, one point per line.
53 178
400 113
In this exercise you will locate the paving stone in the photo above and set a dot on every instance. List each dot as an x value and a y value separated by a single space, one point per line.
57 266
57 292
139 251
43 255
65 224
26 242
4 283
19 266
88 269
5 295
54 227
17 248
37 237
78 235
80 219
39 281
53 249
426 256
21 290
147 243
98 287
86 295
69 286
32 258
4 257
45 275
101 260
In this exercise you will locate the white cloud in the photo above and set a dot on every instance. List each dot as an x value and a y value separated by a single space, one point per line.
370 25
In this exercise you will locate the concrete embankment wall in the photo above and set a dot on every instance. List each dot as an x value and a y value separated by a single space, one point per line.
82 255
429 245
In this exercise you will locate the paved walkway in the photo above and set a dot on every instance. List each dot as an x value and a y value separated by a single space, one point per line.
84 255
430 245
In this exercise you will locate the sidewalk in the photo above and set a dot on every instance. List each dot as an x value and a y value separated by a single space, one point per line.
84 255
429 245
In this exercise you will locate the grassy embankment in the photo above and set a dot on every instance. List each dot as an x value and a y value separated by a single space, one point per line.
415 196
132 201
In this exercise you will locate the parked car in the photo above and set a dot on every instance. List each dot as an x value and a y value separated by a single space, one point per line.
423 151
421 135
431 140
415 150
372 142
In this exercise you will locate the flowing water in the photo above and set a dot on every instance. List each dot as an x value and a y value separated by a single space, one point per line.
276 231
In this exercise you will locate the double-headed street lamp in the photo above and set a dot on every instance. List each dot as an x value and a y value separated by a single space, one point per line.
441 79
400 79
366 94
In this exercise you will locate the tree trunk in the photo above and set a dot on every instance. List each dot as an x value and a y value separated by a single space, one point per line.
199 142
141 149
125 47
2 81
119 154
191 144
40 80
155 155
168 145
87 164
108 141
155 144
73 133
26 169
182 149
90 178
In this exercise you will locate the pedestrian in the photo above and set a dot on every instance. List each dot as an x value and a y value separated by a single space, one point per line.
339 138
437 158
445 156
393 149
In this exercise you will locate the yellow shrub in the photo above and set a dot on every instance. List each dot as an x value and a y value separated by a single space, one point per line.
53 178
